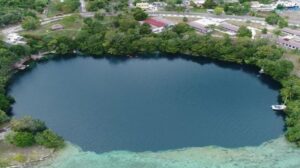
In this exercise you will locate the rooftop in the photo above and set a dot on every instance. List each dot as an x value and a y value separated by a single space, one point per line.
291 31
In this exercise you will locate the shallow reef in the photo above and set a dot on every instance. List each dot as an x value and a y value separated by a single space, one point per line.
277 153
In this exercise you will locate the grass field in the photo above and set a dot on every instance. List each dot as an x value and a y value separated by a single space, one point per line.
72 24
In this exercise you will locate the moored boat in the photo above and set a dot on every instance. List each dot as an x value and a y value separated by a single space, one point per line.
279 107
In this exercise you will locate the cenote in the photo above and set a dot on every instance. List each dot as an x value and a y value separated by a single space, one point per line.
149 104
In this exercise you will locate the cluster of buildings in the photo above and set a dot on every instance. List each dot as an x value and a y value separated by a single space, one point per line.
291 40
289 4
204 26
154 6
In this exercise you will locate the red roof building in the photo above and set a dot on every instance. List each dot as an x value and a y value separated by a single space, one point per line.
154 22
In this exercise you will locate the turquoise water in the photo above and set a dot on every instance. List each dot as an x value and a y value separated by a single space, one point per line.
273 154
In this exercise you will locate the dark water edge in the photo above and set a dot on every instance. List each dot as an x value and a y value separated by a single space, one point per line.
250 70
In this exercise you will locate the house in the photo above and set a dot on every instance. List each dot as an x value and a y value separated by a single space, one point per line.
159 4
158 24
287 42
229 27
199 27
143 5
57 27
186 2
257 6
292 32
202 25
198 3
289 3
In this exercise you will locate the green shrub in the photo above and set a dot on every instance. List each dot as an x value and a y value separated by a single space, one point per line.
244 32
30 23
49 139
3 117
27 124
21 139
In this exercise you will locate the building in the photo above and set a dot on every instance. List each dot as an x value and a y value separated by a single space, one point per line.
202 25
255 5
291 32
143 5
57 27
229 27
289 3
288 42
198 3
199 27
158 24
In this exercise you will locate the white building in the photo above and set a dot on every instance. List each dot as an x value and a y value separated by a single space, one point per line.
289 42
143 5
288 3
255 5
198 3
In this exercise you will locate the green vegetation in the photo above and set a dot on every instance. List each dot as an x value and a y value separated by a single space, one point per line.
3 117
139 14
30 23
27 132
12 12
8 56
49 139
57 7
244 32
110 6
275 19
27 124
218 10
264 31
21 139
237 8
209 4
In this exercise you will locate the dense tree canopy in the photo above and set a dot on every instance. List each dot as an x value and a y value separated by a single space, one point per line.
49 139
30 23
3 117
275 19
139 14
13 11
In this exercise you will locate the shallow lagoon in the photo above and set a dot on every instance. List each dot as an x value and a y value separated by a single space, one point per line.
155 104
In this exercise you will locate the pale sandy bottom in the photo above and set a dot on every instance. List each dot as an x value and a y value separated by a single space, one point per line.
276 153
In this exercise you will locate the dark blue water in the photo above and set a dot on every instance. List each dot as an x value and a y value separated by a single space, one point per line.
149 104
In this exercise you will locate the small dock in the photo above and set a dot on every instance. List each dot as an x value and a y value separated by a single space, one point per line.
38 56
21 65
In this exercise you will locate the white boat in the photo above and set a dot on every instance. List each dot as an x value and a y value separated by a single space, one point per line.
261 71
278 107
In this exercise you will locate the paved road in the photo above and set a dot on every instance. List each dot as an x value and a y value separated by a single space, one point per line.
224 17
82 6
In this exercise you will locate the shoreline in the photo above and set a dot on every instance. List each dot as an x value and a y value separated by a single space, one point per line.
56 155
276 153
